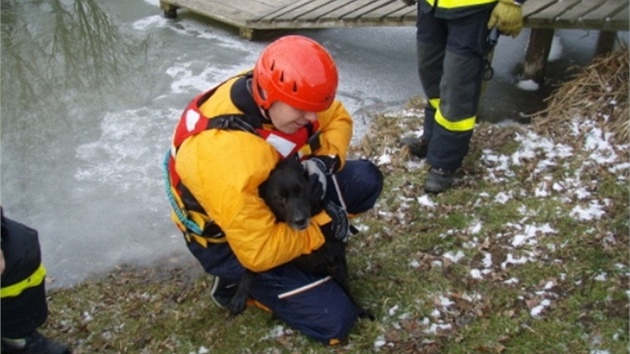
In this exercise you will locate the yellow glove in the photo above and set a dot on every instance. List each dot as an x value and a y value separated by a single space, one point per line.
507 17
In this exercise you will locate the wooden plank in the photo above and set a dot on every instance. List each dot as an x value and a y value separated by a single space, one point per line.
622 17
331 14
533 7
387 10
541 14
375 12
243 9
603 13
312 11
405 13
352 6
232 14
610 15
270 15
296 9
332 10
577 12
369 7
551 12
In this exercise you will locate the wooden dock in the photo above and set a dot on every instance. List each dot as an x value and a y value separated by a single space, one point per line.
264 15
251 16
542 16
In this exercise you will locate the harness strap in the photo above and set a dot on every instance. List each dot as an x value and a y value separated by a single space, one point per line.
235 122
211 231
190 226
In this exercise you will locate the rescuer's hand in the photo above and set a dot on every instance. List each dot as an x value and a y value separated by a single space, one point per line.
339 228
318 168
507 17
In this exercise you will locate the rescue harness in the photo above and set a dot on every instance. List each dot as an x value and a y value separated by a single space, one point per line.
192 122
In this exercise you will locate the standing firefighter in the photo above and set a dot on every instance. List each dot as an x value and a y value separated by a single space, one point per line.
23 305
452 45
224 147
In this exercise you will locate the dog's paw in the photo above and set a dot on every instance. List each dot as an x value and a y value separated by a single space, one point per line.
237 306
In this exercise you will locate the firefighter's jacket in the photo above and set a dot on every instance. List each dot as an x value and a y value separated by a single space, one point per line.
223 169
453 8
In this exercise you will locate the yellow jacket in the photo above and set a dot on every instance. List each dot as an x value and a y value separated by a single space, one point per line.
453 9
223 170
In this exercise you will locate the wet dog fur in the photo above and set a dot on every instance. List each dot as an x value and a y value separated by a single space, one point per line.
287 193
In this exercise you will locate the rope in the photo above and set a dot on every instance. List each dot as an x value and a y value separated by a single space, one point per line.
190 225
491 42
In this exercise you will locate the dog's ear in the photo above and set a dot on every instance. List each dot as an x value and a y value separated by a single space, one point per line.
262 190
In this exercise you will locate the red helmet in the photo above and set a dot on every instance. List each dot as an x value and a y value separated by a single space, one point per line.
297 71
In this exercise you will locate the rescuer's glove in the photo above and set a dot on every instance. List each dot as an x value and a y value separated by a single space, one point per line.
507 17
339 227
409 2
317 193
318 168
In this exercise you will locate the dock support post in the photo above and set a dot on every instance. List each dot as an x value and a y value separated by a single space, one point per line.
246 33
605 42
170 11
537 53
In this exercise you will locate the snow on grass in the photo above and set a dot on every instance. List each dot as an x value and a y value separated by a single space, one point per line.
525 241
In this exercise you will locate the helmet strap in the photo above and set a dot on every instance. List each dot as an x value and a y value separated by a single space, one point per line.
266 114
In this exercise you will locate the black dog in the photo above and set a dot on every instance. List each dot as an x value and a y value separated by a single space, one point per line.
287 192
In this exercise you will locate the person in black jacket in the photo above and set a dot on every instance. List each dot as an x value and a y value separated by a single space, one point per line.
23 293
453 40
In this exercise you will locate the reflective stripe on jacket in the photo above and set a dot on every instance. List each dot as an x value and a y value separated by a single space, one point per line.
454 4
451 9
35 279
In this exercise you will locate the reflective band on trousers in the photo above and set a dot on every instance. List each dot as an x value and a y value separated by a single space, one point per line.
304 288
16 289
435 103
463 125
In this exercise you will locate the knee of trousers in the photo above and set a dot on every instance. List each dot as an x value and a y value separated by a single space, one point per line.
217 259
323 312
361 185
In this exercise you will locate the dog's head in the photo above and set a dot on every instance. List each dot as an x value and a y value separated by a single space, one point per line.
287 193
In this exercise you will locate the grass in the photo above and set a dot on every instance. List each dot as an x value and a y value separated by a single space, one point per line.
412 265
528 253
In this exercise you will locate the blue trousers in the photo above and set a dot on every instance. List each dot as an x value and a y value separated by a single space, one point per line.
324 312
